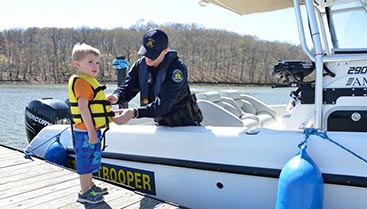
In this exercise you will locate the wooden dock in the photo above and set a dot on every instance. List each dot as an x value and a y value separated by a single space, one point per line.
35 183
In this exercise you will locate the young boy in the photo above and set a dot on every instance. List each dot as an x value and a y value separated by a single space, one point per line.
86 115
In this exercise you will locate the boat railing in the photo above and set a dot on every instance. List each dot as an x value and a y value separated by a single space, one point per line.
301 31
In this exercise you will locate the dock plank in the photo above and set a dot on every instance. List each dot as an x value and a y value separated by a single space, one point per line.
18 175
34 183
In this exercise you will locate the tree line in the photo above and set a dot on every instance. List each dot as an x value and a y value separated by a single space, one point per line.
43 55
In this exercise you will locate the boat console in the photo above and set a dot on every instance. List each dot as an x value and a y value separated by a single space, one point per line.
337 62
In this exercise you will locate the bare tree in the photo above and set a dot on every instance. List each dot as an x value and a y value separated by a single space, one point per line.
211 56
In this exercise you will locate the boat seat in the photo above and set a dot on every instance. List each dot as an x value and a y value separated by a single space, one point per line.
220 113
236 109
249 104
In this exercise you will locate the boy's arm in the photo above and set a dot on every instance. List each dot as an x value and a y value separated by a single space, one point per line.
87 119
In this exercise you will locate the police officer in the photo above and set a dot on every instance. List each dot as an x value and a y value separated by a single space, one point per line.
161 78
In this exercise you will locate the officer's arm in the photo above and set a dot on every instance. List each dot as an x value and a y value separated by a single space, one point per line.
130 87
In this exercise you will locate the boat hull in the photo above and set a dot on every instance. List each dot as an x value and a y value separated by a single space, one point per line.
218 167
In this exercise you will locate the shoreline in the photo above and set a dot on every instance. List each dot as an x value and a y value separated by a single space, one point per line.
2 82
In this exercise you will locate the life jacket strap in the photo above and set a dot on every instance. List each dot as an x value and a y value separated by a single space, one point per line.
99 88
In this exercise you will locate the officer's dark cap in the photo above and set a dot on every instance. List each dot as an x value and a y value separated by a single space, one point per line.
154 42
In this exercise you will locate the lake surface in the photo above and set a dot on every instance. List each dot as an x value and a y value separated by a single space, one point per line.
14 98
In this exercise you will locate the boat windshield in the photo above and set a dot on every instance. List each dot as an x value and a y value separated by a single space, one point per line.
349 22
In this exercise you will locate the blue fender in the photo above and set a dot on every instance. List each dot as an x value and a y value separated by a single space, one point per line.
300 185
56 152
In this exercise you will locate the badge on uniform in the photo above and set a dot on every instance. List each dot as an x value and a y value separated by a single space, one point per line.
177 76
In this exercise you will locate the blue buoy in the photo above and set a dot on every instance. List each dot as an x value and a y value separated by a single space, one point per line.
56 152
300 184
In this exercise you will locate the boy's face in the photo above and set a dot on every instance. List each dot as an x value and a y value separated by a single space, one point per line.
88 65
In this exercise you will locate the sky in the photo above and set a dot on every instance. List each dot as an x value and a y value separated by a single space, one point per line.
272 26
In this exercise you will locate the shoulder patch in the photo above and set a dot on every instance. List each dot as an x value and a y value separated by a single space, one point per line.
177 76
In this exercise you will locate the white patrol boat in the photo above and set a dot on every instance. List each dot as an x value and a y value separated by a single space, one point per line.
248 154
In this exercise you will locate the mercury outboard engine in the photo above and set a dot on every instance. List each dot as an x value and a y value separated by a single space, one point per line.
43 112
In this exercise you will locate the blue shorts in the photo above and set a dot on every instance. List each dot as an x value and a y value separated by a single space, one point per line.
88 156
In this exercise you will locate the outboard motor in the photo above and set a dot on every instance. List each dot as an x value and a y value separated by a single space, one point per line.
291 73
43 112
297 70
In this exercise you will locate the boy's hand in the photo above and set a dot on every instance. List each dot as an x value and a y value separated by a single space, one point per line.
93 139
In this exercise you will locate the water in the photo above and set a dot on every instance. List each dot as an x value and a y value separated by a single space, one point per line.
14 99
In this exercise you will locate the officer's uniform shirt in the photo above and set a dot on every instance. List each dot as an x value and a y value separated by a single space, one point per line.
174 92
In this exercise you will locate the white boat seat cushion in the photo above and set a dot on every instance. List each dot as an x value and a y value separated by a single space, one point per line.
246 106
215 115
237 110
249 104
227 103
212 96
261 107
225 106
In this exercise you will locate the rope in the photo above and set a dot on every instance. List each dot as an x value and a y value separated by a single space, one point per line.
312 131
27 154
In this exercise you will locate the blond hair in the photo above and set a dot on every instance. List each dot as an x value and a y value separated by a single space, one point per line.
81 50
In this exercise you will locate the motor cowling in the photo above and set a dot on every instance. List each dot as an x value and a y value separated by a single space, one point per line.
43 112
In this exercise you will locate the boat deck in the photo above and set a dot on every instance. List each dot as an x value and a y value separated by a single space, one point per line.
26 183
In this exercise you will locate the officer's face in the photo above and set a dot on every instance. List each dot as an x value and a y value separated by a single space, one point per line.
157 61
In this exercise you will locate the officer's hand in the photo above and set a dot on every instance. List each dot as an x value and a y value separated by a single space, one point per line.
118 111
112 99
124 116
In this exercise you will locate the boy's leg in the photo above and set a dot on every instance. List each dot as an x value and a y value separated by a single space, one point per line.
85 181
88 160
87 194
88 157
